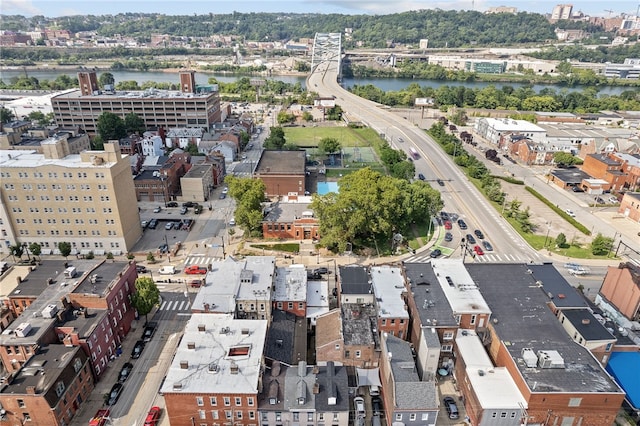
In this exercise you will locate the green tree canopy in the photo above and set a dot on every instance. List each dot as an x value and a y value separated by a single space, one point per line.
35 249
276 139
111 127
249 194
134 124
146 296
601 245
106 78
329 145
565 158
6 115
372 206
65 248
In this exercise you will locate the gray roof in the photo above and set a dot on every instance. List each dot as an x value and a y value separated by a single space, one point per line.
410 392
273 380
286 212
359 324
275 162
591 330
354 279
554 284
106 274
298 388
286 338
574 175
431 301
522 319
334 383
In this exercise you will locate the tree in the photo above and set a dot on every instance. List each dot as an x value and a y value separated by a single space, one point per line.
307 116
35 249
6 115
284 117
561 240
16 251
329 145
145 297
248 194
106 78
38 117
565 158
601 245
134 124
151 258
65 248
97 143
111 127
276 139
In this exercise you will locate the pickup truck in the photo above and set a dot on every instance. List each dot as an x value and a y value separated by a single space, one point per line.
100 418
167 270
195 270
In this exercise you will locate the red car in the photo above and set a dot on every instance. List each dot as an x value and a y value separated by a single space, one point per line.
195 270
152 417
447 224
478 250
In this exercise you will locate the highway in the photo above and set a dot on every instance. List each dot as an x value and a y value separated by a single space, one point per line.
458 194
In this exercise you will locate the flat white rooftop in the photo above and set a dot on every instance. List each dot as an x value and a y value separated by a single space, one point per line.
217 354
388 286
461 291
291 284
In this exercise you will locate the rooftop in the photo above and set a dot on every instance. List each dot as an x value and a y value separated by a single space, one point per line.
286 338
563 294
198 171
410 392
291 284
31 159
510 125
317 299
493 386
149 95
217 354
431 301
101 278
273 162
354 279
522 321
388 286
461 291
587 325
287 212
359 325
574 176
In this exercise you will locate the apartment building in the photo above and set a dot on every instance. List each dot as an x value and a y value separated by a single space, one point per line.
188 107
87 200
216 373
290 293
389 289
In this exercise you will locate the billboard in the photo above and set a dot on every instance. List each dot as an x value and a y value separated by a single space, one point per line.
424 102
325 102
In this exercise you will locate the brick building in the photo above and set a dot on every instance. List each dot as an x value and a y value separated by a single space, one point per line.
291 219
606 167
283 172
621 287
630 206
290 293
216 372
390 291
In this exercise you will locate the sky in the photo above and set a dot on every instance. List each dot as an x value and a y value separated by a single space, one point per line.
56 8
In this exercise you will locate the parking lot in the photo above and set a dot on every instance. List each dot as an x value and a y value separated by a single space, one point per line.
153 239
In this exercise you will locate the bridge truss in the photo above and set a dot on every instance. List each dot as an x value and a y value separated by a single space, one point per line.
327 49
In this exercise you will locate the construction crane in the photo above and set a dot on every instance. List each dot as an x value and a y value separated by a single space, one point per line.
610 12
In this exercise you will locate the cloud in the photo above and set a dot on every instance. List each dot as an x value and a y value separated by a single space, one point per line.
19 7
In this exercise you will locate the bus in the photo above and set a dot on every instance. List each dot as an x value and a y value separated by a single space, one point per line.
414 153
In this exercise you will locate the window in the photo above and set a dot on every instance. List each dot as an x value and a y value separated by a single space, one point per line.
425 417
503 415
199 401
238 400
337 347
228 414
412 417
446 348
358 354
213 401
278 416
202 414
575 402
239 414
250 401
473 319
21 403
447 335
252 415
290 305
335 417
309 417
214 414
399 417
60 388
296 417
227 401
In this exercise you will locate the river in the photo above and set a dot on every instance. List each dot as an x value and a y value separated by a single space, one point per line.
386 84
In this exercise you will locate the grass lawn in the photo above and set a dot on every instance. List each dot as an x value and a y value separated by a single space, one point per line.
311 136
288 247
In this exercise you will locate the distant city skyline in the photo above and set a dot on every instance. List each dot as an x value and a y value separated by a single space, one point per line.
53 8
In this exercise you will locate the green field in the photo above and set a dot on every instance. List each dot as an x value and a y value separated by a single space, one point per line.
306 137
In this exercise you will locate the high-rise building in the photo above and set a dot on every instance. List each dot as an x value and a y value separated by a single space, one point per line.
561 11
189 107
86 199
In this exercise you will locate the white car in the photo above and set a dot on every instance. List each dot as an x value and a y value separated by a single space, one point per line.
570 212
613 200
579 271
232 222
358 403
225 190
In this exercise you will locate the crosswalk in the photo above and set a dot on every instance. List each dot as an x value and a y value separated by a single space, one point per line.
201 260
486 258
175 305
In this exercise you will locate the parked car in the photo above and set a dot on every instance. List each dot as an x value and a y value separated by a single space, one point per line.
421 176
358 403
188 204
232 222
435 253
577 189
462 224
444 216
100 418
152 224
157 209
376 405
322 270
613 200
479 234
168 226
225 190
448 236
470 239
451 407
478 250
114 393
141 269
570 212
184 210
163 248
599 200
447 224
125 372
195 283
223 196
312 275
152 416
149 330
167 270
144 224
176 225
440 182
195 270
487 245
172 204
137 350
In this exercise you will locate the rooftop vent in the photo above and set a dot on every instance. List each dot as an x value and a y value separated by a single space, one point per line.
234 368
191 345
184 365
201 327
213 367
177 386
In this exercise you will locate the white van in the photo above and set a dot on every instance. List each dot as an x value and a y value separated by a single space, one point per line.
167 270
374 390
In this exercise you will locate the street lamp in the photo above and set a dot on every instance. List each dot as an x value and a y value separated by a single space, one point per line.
545 238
